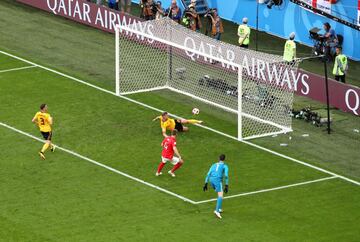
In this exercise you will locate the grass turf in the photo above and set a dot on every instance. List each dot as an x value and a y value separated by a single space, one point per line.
65 198
71 199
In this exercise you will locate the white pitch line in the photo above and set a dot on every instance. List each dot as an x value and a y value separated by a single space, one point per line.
270 189
205 127
18 69
102 165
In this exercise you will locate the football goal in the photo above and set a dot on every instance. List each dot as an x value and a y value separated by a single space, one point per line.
254 86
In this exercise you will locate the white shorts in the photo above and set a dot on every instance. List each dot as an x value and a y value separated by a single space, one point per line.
173 161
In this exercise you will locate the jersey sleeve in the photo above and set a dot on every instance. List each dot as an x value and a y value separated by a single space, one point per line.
208 174
35 116
226 174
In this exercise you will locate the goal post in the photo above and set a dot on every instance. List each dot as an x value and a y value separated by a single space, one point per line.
239 99
161 54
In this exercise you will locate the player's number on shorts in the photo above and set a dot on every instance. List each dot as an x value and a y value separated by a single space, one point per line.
42 121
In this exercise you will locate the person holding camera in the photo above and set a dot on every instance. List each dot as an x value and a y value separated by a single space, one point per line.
330 40
148 7
194 22
174 12
160 11
216 25
244 34
340 65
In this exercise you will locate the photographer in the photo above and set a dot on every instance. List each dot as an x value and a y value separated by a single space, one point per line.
330 41
174 12
159 11
191 19
216 24
148 9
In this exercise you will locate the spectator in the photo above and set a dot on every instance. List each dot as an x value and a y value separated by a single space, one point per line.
113 4
217 26
125 4
340 65
244 34
160 11
290 49
174 12
148 10
330 41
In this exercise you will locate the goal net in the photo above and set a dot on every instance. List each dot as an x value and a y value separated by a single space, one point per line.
161 54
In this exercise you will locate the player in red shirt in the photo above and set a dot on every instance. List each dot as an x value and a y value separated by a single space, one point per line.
169 148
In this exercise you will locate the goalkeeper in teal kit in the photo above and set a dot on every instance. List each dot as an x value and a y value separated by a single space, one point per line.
215 176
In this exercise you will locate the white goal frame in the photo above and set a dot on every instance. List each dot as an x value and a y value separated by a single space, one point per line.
120 29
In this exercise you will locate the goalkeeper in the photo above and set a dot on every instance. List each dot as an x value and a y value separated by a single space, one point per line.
167 123
215 175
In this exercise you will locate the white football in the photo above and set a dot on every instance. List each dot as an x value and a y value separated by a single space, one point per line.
195 111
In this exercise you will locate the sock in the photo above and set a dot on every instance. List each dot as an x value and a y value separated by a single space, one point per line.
160 167
193 121
51 146
219 204
44 148
177 166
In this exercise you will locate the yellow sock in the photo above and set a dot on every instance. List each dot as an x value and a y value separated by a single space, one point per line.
44 148
193 121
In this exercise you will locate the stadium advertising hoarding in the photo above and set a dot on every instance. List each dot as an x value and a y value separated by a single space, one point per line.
358 16
344 97
84 12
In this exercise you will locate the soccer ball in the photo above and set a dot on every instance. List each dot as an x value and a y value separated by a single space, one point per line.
195 111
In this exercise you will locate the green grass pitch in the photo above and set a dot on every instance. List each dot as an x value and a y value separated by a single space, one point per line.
68 198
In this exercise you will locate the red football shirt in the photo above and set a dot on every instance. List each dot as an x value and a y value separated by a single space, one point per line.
168 145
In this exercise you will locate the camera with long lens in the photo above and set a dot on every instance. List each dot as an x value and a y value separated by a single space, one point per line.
154 6
271 3
209 12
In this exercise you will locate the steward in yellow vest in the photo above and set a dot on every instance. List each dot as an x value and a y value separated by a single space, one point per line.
340 65
290 48
244 34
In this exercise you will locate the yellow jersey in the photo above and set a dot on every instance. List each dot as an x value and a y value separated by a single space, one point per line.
169 124
43 121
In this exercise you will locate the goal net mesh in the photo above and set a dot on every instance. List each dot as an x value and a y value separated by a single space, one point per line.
162 54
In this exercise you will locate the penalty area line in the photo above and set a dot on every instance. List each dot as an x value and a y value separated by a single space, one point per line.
270 189
101 165
18 68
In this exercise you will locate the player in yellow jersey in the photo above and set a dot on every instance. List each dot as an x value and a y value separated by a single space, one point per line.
44 121
167 123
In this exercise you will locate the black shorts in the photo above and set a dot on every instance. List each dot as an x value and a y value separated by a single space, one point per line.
47 135
178 126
